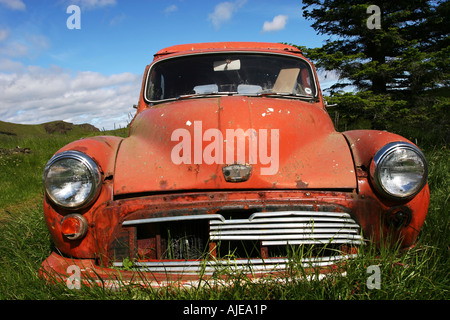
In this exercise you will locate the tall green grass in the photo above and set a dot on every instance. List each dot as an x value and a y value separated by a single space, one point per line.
419 273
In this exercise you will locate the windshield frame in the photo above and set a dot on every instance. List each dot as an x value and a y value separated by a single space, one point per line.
314 97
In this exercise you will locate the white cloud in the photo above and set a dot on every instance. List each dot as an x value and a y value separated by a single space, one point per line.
40 95
278 23
118 19
93 4
14 4
328 75
8 65
38 42
172 8
3 35
27 46
224 11
327 78
14 49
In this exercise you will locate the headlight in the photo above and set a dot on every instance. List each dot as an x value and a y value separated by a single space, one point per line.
72 180
399 170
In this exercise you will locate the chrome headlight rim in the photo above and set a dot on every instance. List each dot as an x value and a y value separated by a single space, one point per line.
91 166
381 155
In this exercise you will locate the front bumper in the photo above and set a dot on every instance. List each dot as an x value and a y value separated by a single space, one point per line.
86 272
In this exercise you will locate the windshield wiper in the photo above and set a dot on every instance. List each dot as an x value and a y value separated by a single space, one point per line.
202 95
261 94
285 95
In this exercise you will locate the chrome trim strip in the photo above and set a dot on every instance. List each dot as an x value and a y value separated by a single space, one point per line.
298 242
305 231
283 225
298 213
286 237
208 267
175 218
310 219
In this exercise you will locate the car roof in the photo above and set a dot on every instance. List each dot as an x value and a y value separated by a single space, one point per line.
221 46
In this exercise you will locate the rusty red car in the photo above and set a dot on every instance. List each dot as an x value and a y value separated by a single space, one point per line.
231 161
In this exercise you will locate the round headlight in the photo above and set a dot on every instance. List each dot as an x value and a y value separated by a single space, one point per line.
72 180
399 170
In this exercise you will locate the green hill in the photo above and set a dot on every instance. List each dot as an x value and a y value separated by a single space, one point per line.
54 127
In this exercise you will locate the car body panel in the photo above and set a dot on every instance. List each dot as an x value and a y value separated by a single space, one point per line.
320 157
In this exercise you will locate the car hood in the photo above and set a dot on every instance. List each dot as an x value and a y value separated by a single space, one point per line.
184 145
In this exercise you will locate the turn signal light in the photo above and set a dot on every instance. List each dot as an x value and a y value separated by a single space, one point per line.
74 226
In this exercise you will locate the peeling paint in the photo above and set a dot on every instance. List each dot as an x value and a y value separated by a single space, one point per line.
163 184
302 184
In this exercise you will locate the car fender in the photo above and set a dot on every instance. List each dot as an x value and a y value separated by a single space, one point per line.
102 150
364 144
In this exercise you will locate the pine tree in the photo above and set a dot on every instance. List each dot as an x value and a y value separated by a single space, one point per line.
398 62
407 50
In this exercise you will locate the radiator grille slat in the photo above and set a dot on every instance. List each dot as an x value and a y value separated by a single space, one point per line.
282 225
282 231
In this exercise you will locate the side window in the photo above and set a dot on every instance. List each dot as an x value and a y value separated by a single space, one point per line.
305 82
155 88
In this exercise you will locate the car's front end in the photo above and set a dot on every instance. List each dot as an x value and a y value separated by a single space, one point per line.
232 165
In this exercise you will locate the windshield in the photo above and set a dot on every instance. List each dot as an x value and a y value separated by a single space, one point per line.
245 74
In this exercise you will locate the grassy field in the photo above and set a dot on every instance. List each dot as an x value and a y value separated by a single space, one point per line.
420 273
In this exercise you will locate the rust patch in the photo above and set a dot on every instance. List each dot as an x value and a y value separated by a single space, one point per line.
195 169
163 184
302 184
213 177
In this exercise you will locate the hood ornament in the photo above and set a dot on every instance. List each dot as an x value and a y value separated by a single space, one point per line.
237 172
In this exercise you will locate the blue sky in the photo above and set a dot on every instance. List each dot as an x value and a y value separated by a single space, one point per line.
93 74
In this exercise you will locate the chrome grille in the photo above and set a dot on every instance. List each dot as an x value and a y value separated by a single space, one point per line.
263 235
289 227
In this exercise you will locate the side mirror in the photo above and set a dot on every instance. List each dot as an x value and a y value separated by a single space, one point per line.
329 105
